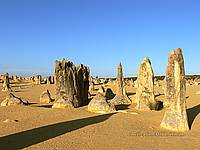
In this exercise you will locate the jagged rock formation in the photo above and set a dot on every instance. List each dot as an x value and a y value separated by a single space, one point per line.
145 91
99 105
175 117
45 97
121 97
6 83
82 84
12 100
72 84
65 81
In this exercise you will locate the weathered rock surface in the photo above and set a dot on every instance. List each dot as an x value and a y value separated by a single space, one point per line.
62 103
72 84
12 100
175 117
45 97
145 86
82 72
99 105
65 81
121 96
170 88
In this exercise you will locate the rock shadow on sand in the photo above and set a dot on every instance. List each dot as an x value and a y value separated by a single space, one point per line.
192 113
131 93
46 106
122 107
37 135
109 94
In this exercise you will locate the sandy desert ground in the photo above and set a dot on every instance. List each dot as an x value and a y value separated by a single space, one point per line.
38 126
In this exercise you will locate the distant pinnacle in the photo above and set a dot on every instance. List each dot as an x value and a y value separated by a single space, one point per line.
120 65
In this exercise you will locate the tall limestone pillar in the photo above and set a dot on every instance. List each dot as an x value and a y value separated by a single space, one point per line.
71 83
82 84
121 96
175 117
145 86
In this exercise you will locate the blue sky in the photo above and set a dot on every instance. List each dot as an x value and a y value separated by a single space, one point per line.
98 33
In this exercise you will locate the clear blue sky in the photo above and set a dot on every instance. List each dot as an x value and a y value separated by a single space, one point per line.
98 33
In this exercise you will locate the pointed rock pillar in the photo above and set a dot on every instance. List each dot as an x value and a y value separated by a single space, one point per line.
175 117
121 96
83 73
145 86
